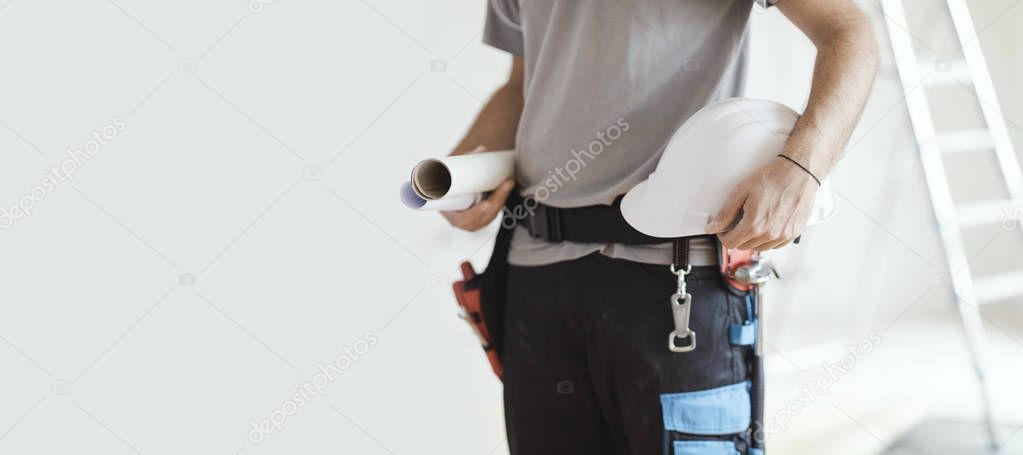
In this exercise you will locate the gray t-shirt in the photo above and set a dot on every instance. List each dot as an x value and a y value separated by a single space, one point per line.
607 83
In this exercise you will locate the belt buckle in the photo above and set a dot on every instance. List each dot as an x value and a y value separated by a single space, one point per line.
545 224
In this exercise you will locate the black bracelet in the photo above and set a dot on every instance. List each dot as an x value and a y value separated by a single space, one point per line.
802 167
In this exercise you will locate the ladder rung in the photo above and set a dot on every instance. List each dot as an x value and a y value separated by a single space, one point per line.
998 287
965 140
944 73
987 212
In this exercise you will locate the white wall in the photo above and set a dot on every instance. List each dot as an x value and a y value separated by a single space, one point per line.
208 179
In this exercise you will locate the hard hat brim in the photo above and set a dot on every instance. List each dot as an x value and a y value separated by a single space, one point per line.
653 213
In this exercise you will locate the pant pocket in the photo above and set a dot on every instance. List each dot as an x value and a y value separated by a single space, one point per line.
708 422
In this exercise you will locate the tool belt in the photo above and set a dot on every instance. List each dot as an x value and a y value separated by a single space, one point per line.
482 296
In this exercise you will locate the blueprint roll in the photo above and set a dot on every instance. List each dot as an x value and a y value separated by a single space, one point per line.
414 201
462 175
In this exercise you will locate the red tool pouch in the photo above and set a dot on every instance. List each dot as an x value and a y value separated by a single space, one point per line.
481 297
467 293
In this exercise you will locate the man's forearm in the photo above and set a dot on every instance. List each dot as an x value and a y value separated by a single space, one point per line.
496 125
844 73
773 205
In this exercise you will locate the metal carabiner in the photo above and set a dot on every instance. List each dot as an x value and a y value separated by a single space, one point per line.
755 274
681 306
681 271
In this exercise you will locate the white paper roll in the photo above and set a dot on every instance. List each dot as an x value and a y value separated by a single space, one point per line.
462 174
414 201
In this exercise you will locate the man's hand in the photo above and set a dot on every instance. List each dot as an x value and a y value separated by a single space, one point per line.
483 212
771 206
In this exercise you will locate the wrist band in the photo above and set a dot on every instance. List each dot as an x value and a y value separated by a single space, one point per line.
802 167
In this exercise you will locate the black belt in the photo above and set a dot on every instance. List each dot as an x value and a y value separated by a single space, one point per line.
590 224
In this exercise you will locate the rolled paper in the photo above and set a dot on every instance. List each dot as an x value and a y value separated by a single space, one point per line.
461 175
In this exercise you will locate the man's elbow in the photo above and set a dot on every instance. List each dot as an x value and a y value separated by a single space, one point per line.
859 40
870 49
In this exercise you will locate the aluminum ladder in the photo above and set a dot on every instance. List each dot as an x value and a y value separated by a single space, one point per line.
971 72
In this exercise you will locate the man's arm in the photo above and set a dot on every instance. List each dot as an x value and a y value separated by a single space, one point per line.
495 128
775 202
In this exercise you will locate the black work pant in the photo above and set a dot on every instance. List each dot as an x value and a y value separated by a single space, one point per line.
587 368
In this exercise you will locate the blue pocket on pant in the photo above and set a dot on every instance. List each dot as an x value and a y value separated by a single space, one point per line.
713 412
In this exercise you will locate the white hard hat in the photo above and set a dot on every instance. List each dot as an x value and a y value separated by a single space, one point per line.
713 151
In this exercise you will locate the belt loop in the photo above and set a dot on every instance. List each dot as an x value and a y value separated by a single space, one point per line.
680 254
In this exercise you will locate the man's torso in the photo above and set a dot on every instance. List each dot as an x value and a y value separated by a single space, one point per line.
607 83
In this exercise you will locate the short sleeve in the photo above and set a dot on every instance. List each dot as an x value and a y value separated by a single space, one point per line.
503 29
